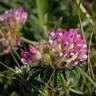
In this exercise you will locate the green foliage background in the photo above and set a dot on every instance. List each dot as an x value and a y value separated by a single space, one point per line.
44 15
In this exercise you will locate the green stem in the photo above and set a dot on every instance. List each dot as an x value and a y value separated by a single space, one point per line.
55 78
27 40
64 85
64 74
76 91
90 69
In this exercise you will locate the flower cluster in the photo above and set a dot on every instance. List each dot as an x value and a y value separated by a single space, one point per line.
68 45
30 56
10 23
16 14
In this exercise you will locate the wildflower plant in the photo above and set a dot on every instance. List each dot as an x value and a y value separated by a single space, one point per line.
59 65
11 22
68 46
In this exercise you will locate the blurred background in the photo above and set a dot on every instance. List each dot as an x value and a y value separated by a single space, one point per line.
44 15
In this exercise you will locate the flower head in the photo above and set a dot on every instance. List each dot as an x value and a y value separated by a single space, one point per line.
68 45
30 56
16 14
10 23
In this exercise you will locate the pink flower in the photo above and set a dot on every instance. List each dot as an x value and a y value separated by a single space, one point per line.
30 55
68 45
11 22
16 15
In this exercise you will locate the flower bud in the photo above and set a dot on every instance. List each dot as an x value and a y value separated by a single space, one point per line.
30 56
